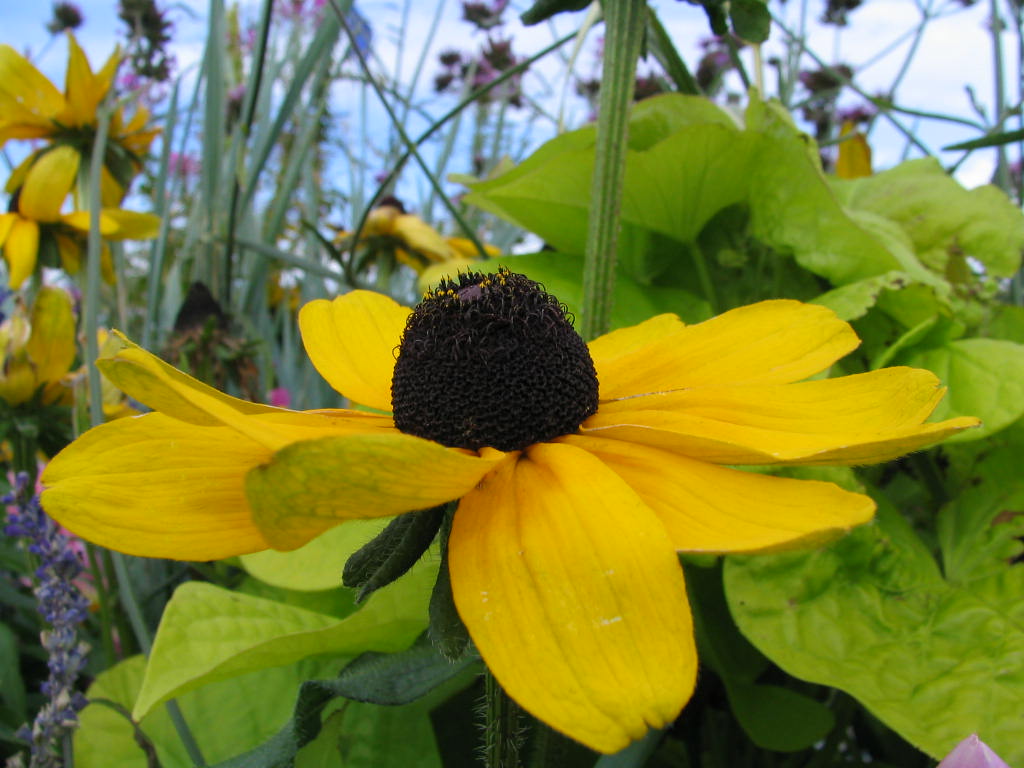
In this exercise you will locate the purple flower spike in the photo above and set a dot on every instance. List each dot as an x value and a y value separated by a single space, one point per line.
972 752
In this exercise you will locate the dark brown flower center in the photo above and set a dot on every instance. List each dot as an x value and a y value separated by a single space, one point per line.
491 360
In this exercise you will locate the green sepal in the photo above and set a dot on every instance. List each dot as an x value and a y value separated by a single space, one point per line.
751 20
445 628
394 679
393 552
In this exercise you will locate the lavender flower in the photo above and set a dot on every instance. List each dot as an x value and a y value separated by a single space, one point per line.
64 608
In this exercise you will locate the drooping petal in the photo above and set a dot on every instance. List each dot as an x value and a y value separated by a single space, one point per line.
21 249
708 508
351 342
52 346
6 224
772 342
571 591
117 224
48 183
157 487
313 485
164 388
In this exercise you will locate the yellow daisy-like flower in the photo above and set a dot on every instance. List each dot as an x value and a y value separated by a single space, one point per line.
580 470
31 107
37 217
38 349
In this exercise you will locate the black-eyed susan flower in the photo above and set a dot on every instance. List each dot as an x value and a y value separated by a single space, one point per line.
31 107
580 470
35 224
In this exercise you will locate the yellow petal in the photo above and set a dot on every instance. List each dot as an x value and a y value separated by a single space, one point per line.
17 382
131 225
772 342
352 342
70 251
573 595
605 350
82 221
52 345
854 159
708 508
422 237
313 485
739 443
25 89
21 248
17 177
157 487
164 388
111 191
48 183
7 221
83 89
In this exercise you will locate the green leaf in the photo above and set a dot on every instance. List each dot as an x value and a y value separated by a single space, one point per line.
853 301
985 379
687 161
208 633
751 19
12 687
318 564
980 530
399 678
777 718
225 718
944 221
872 615
542 10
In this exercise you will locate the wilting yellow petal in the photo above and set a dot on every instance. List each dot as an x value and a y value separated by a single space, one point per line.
48 183
708 508
21 249
313 485
352 341
157 487
854 159
52 347
772 342
574 597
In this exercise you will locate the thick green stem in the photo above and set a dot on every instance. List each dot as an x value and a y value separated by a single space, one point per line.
624 28
503 733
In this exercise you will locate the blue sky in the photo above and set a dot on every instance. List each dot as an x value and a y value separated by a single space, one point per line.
954 52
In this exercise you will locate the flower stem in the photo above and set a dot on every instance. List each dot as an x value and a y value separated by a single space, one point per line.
624 29
502 728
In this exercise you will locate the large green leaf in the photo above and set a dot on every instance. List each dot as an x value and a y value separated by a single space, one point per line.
945 222
687 160
872 615
318 564
209 634
985 379
225 718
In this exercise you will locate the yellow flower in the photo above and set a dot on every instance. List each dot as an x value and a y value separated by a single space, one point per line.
31 107
854 160
38 351
37 221
580 470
